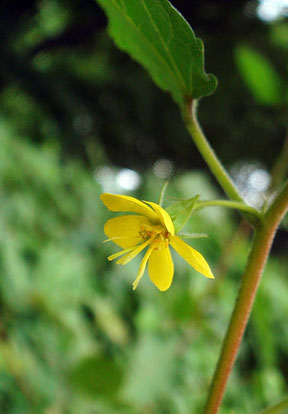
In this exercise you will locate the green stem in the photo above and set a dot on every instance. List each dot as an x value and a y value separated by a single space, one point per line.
261 246
229 204
277 408
216 167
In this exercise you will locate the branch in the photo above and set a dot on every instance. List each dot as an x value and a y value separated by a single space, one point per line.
229 204
261 246
213 162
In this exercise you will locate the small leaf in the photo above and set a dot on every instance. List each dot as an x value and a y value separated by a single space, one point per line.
181 212
155 34
260 76
192 235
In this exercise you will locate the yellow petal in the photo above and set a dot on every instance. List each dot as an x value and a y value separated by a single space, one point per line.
161 268
163 216
125 230
130 255
116 202
142 267
115 255
194 258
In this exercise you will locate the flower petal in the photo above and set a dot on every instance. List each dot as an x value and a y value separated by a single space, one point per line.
142 267
125 230
116 202
194 258
131 254
164 217
118 254
161 268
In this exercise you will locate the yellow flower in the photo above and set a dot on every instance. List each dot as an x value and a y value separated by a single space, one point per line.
150 227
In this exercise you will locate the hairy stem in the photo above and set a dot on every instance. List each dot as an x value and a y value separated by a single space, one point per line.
261 246
216 167
229 204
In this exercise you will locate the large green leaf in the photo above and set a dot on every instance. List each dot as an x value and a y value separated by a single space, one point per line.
260 76
155 34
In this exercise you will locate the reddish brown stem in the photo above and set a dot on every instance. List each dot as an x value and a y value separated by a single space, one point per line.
261 246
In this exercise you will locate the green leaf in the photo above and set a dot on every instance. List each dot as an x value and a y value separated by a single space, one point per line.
155 34
192 235
181 212
260 76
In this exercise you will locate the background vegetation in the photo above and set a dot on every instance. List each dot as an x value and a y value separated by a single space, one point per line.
78 117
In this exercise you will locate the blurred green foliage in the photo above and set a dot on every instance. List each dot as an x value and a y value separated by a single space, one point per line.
74 337
263 80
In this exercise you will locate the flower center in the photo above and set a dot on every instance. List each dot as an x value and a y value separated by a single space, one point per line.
157 233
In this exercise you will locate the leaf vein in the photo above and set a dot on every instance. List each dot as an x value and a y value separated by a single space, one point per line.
181 79
155 51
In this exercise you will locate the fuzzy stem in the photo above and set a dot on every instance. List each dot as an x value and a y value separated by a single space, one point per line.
229 204
221 175
261 246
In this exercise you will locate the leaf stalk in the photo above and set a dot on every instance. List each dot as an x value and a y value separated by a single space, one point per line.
229 204
207 152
